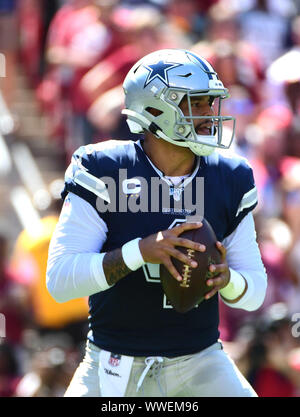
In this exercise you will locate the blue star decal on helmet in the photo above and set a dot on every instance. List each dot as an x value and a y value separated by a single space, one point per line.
159 70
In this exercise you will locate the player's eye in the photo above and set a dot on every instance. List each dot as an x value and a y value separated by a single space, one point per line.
202 101
197 103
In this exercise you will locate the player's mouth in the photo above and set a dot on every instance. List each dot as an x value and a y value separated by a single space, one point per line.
204 128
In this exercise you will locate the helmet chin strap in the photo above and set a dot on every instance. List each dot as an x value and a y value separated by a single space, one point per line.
198 149
201 150
142 122
161 135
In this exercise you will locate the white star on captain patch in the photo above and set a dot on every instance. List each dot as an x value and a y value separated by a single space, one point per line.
159 70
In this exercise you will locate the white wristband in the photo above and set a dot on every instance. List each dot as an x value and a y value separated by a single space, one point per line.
132 255
235 287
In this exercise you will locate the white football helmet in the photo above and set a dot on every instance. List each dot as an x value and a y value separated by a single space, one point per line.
160 81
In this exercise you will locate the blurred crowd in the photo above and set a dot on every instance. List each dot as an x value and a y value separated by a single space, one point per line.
75 55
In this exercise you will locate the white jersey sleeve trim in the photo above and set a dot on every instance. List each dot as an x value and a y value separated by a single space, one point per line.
92 183
248 200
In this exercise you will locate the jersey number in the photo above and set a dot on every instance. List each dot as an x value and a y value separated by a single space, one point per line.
151 271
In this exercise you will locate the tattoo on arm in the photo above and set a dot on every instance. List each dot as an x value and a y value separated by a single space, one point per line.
114 267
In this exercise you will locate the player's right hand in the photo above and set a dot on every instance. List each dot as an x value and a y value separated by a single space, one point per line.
159 247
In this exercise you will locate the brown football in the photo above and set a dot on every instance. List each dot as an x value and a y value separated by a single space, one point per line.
188 293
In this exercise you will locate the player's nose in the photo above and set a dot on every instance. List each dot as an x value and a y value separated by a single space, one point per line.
203 125
206 110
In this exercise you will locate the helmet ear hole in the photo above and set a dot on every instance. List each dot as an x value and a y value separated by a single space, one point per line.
153 111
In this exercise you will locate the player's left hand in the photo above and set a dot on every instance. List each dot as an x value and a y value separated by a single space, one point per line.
221 273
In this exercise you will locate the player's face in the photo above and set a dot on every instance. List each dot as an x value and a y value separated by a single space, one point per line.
200 106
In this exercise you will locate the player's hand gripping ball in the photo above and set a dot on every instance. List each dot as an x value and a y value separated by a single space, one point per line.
186 294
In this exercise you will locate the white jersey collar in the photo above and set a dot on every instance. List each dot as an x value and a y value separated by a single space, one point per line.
172 180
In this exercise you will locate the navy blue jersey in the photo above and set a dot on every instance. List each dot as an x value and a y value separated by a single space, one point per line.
134 317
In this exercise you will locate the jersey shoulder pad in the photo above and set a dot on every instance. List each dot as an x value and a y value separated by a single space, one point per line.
107 145
91 162
236 168
237 174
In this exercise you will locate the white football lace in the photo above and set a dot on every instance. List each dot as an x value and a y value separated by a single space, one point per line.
156 371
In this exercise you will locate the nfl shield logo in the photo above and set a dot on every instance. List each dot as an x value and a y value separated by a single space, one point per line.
176 192
114 359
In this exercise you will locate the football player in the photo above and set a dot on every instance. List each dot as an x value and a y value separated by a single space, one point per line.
126 203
